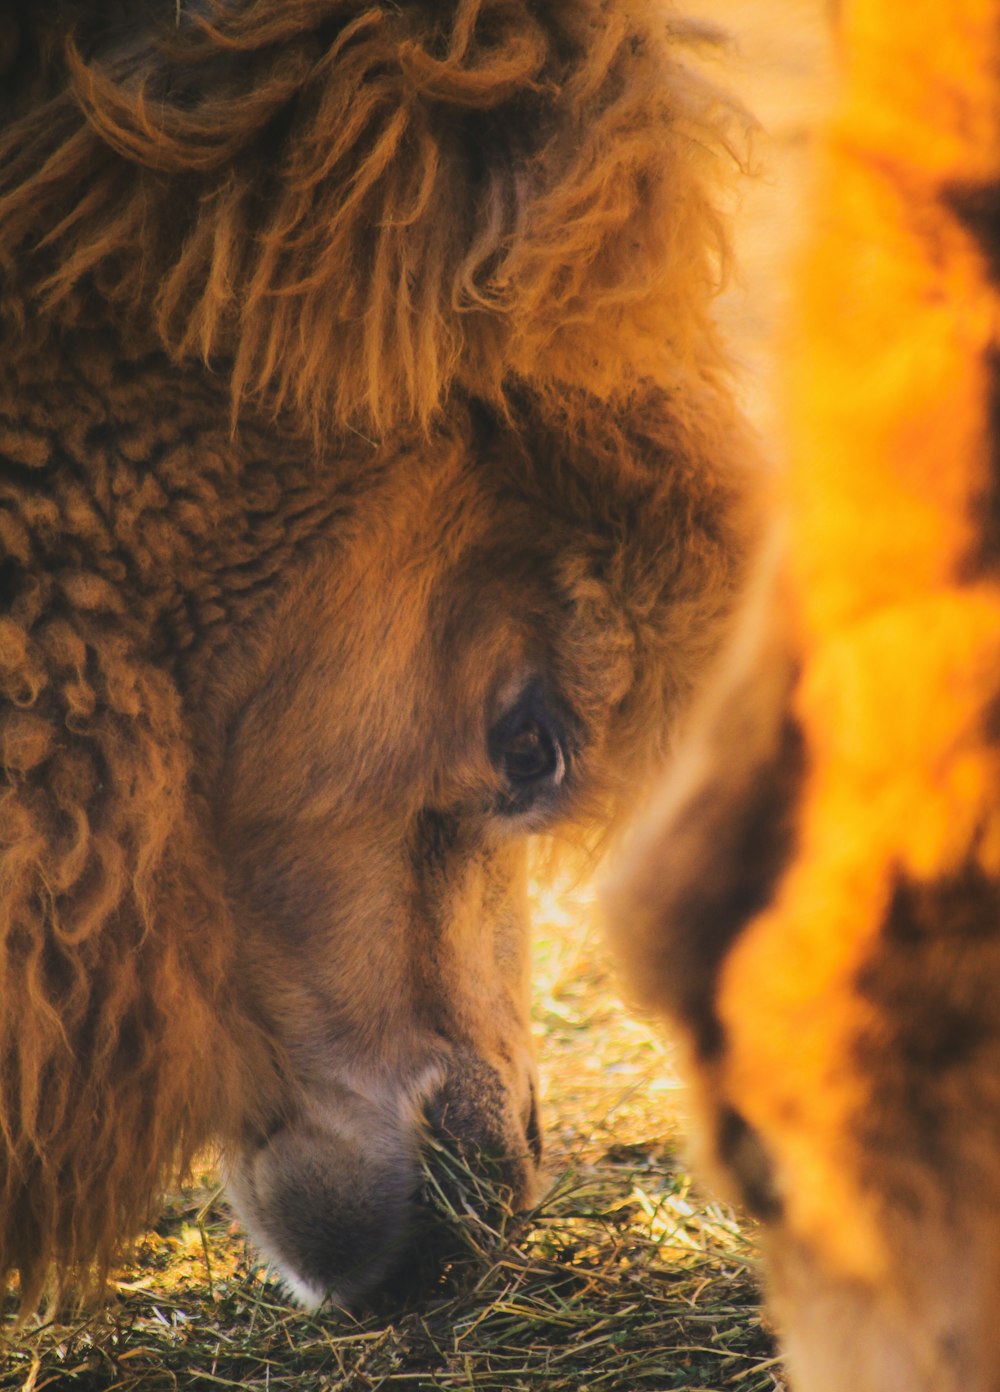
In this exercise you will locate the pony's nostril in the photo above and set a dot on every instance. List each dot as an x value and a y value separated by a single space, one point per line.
532 1127
482 1122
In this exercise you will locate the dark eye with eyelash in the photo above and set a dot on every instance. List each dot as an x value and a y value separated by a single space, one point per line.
527 746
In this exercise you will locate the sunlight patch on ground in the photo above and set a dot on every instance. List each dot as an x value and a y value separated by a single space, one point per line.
608 1077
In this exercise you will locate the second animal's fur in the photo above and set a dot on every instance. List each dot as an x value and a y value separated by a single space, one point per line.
818 902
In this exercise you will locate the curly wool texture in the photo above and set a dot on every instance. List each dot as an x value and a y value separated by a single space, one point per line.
92 834
348 209
119 1049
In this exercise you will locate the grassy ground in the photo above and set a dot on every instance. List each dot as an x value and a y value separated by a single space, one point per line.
624 1277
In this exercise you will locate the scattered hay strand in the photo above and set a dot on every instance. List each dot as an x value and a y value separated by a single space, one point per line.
621 1279
618 1280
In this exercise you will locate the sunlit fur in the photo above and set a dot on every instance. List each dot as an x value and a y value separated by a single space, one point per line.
817 904
358 372
337 134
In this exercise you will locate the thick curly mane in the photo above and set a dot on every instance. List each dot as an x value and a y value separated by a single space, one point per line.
348 209
95 844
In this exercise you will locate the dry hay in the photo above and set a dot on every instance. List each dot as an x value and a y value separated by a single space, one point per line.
622 1277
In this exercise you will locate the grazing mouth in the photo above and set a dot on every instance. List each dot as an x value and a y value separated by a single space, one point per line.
351 1202
464 1212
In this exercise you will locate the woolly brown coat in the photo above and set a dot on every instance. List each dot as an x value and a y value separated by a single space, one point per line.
370 496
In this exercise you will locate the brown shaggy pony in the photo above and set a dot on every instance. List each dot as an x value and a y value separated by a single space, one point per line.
818 903
370 497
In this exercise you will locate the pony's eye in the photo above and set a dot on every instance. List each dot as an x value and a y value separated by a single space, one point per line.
530 753
528 748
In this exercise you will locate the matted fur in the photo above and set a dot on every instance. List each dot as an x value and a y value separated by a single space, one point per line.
358 371
818 901
346 208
